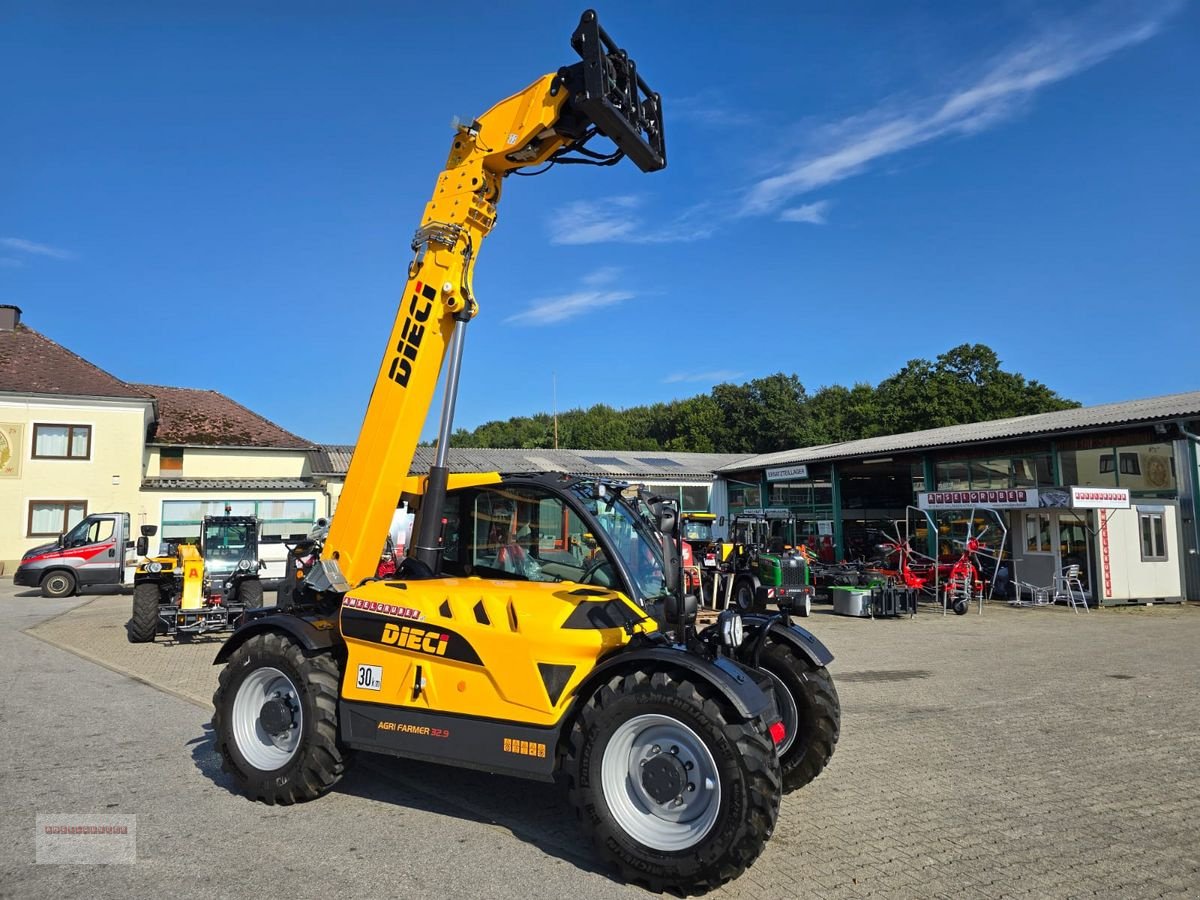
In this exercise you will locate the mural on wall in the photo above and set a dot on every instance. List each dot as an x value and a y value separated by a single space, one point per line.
10 450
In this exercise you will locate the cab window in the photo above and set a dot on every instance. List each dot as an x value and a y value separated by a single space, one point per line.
521 534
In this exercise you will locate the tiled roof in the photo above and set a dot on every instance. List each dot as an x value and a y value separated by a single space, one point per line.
334 459
227 484
1153 409
210 419
31 363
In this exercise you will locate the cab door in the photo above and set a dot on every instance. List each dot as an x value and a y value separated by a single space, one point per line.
98 543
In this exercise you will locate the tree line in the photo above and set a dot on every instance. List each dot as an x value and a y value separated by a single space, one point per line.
776 412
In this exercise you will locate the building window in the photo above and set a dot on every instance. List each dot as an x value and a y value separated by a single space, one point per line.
695 497
1154 542
50 518
62 442
1130 464
1106 463
277 519
743 496
1037 533
170 461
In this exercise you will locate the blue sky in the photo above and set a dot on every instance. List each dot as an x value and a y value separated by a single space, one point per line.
222 194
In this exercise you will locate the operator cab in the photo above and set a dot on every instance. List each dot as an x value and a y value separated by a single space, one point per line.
554 529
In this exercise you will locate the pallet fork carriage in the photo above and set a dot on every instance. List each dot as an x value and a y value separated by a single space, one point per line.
539 627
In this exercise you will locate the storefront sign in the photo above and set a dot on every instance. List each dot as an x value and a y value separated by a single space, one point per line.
1015 498
768 513
782 473
11 449
1099 498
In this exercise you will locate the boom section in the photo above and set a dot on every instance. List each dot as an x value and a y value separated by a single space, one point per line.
437 299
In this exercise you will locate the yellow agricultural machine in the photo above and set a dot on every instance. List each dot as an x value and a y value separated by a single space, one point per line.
197 588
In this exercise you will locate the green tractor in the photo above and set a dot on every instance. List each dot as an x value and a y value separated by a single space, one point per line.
765 565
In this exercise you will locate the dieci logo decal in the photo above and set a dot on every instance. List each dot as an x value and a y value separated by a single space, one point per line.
441 642
416 639
411 333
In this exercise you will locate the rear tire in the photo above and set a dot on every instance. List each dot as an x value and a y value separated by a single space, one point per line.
302 759
143 624
811 710
687 844
250 593
59 584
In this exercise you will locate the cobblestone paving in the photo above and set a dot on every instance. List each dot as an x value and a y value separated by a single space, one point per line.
1030 752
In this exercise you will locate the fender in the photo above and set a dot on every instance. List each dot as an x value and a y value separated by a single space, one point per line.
799 639
736 686
304 632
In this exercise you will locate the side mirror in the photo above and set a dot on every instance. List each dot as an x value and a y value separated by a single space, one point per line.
143 545
62 539
149 530
691 605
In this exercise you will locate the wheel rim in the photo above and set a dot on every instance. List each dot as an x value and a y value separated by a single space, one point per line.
56 584
787 710
676 754
267 693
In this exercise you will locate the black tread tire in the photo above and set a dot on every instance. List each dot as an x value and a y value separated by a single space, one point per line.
250 593
743 751
743 594
143 624
320 760
960 607
819 709
58 584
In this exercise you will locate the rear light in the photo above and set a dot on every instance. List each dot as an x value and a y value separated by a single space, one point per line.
778 732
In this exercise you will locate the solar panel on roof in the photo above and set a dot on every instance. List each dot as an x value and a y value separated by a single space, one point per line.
660 461
603 460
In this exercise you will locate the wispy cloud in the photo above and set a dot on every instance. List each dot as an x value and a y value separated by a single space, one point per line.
710 109
10 262
812 213
617 219
23 246
714 377
595 294
1004 87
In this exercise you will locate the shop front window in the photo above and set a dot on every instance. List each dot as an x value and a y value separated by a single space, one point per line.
1090 468
1037 533
1143 468
744 496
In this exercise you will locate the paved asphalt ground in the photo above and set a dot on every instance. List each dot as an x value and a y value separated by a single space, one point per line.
1020 753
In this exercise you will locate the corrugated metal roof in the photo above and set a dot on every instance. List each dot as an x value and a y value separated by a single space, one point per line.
334 459
228 484
1153 409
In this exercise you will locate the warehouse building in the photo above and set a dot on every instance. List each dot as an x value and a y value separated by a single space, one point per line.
1111 488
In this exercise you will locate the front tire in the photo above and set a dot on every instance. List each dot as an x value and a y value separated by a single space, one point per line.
675 792
250 593
811 710
143 624
743 594
59 584
275 721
